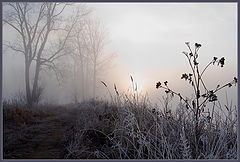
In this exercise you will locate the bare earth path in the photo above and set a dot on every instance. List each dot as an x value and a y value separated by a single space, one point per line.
49 147
45 143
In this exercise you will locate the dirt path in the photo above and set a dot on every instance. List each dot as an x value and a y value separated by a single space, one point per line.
50 147
46 144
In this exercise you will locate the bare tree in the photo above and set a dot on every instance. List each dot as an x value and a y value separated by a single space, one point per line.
89 59
37 24
95 41
79 57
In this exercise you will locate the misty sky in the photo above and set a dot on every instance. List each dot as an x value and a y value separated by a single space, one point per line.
149 38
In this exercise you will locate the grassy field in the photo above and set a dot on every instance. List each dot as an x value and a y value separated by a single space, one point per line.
128 127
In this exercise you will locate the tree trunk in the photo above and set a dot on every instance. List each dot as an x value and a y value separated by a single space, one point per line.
94 79
27 83
87 80
82 80
75 91
35 95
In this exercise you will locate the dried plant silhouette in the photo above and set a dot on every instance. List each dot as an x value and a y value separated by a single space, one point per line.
201 96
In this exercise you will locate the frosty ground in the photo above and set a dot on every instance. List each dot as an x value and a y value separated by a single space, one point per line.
126 128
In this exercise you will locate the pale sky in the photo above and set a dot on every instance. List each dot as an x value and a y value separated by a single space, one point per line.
149 38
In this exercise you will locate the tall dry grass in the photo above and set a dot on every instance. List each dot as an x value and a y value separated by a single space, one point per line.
129 127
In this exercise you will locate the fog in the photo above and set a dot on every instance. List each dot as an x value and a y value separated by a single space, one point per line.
145 41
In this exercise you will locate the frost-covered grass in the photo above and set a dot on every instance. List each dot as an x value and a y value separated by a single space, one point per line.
126 127
129 127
